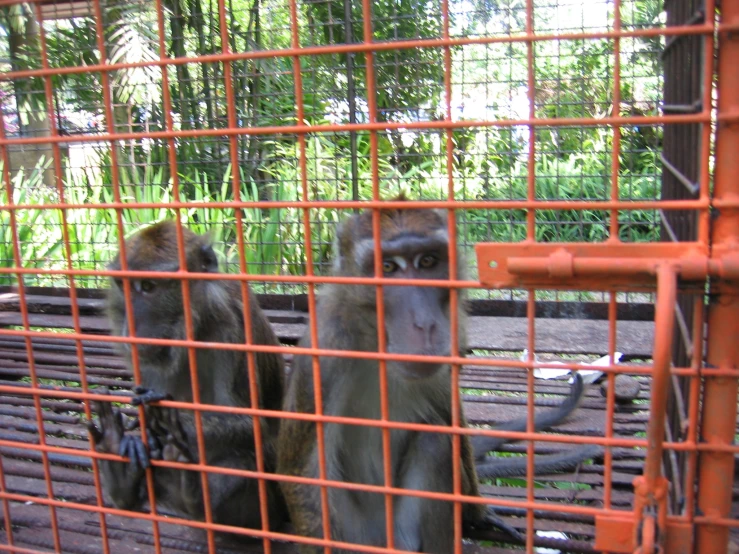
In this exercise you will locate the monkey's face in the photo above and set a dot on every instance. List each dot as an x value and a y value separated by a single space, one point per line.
157 304
416 318
157 312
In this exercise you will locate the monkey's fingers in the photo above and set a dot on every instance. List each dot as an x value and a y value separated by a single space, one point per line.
95 433
133 449
155 447
131 423
118 422
175 426
141 454
182 448
104 411
154 425
147 396
100 407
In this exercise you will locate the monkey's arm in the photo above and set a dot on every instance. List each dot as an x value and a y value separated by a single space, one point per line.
542 421
229 443
122 482
303 501
478 516
297 447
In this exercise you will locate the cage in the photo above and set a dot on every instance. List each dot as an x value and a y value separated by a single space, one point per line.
582 154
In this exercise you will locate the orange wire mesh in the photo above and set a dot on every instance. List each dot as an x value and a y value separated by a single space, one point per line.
723 343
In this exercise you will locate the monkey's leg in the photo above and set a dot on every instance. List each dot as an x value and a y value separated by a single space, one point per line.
421 524
122 482
543 420
478 515
229 443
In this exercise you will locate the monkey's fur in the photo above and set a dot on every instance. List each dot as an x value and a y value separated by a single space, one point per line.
417 321
217 316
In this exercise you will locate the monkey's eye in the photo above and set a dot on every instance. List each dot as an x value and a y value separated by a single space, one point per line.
148 286
428 261
389 266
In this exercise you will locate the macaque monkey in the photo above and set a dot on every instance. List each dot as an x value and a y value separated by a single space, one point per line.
217 316
414 244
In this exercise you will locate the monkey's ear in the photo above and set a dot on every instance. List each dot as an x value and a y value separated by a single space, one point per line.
208 259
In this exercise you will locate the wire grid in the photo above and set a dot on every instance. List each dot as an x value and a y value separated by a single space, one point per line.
488 83
526 172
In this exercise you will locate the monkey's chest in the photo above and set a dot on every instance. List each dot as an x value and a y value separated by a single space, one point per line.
419 461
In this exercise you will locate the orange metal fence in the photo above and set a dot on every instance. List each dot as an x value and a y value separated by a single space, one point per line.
706 520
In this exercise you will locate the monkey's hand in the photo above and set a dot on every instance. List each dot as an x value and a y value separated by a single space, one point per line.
146 396
176 446
110 437
122 482
168 435
163 428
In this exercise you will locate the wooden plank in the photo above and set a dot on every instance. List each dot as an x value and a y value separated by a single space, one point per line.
89 324
561 336
634 338
479 307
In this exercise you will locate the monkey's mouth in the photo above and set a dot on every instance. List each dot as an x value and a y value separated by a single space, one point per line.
418 369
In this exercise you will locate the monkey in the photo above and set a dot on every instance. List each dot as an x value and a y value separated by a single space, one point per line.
217 316
414 244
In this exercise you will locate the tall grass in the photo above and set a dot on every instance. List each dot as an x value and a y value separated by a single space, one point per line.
274 241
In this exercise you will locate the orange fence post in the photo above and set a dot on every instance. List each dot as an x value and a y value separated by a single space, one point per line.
718 426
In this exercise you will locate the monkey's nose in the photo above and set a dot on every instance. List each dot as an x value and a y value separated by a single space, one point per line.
427 330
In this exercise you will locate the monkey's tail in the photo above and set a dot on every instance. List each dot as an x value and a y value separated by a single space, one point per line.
494 468
542 421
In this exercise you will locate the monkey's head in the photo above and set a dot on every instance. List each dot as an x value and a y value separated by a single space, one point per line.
157 303
415 245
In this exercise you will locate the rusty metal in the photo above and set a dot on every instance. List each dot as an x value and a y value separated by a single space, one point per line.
39 433
719 406
597 266
613 266
18 261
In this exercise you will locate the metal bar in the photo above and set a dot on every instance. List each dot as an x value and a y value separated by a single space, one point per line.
116 186
693 416
610 401
243 268
616 113
664 322
693 188
695 107
719 407
439 204
644 120
456 408
17 262
650 489
368 29
56 153
351 94
359 47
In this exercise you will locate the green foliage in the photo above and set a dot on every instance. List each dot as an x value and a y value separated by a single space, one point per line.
489 81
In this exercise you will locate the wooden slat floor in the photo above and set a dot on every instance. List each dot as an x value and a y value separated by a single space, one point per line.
490 395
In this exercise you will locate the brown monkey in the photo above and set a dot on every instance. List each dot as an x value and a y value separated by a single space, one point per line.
414 244
217 316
